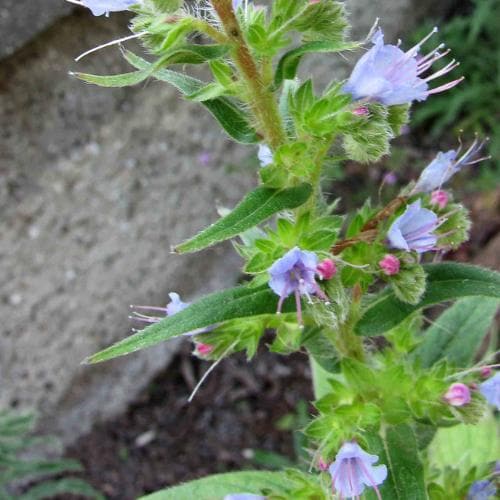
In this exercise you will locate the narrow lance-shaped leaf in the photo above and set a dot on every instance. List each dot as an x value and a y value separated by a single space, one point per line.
289 63
458 333
257 206
397 448
220 485
239 302
446 281
230 116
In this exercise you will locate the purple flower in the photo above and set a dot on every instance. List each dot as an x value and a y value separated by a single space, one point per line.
388 75
294 273
414 229
236 4
482 490
490 389
457 395
244 496
100 7
265 155
353 470
445 165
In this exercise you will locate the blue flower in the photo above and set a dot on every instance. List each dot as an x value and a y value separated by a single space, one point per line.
414 229
482 490
390 76
265 155
490 389
445 165
100 7
353 470
295 273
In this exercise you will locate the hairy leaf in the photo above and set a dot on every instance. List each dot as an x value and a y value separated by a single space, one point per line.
289 63
220 485
446 281
239 302
229 115
398 450
257 206
458 332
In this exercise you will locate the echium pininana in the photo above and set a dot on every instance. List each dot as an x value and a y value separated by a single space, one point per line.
348 288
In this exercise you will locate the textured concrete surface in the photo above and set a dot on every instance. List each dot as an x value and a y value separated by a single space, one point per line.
95 186
20 20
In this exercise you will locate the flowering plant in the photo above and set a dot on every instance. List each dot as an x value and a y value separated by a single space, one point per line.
348 289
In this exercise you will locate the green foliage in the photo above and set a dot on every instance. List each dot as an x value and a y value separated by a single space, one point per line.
473 105
15 442
397 447
239 302
257 206
458 333
445 281
384 393
456 226
409 284
475 444
368 138
219 485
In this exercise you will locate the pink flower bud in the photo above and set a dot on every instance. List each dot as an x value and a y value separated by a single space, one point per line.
486 372
457 395
439 198
390 265
322 465
326 269
361 111
204 349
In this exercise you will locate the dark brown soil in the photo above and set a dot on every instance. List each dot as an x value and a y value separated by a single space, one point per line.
163 440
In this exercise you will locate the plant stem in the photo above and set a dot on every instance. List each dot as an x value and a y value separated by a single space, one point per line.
262 100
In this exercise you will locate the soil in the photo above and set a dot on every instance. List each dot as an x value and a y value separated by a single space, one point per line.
163 440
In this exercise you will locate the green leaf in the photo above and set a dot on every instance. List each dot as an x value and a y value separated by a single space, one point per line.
446 281
257 206
465 446
458 332
239 302
398 450
289 63
217 486
229 115
122 80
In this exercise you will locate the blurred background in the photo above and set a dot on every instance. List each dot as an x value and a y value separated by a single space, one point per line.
96 185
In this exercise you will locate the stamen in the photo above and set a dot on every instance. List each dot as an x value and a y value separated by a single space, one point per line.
299 308
447 86
108 44
370 478
449 67
415 48
431 53
149 308
424 66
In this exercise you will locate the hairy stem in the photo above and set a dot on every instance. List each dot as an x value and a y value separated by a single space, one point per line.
262 99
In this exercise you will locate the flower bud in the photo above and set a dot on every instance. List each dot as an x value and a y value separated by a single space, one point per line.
204 349
390 265
326 269
361 111
486 372
457 395
439 198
